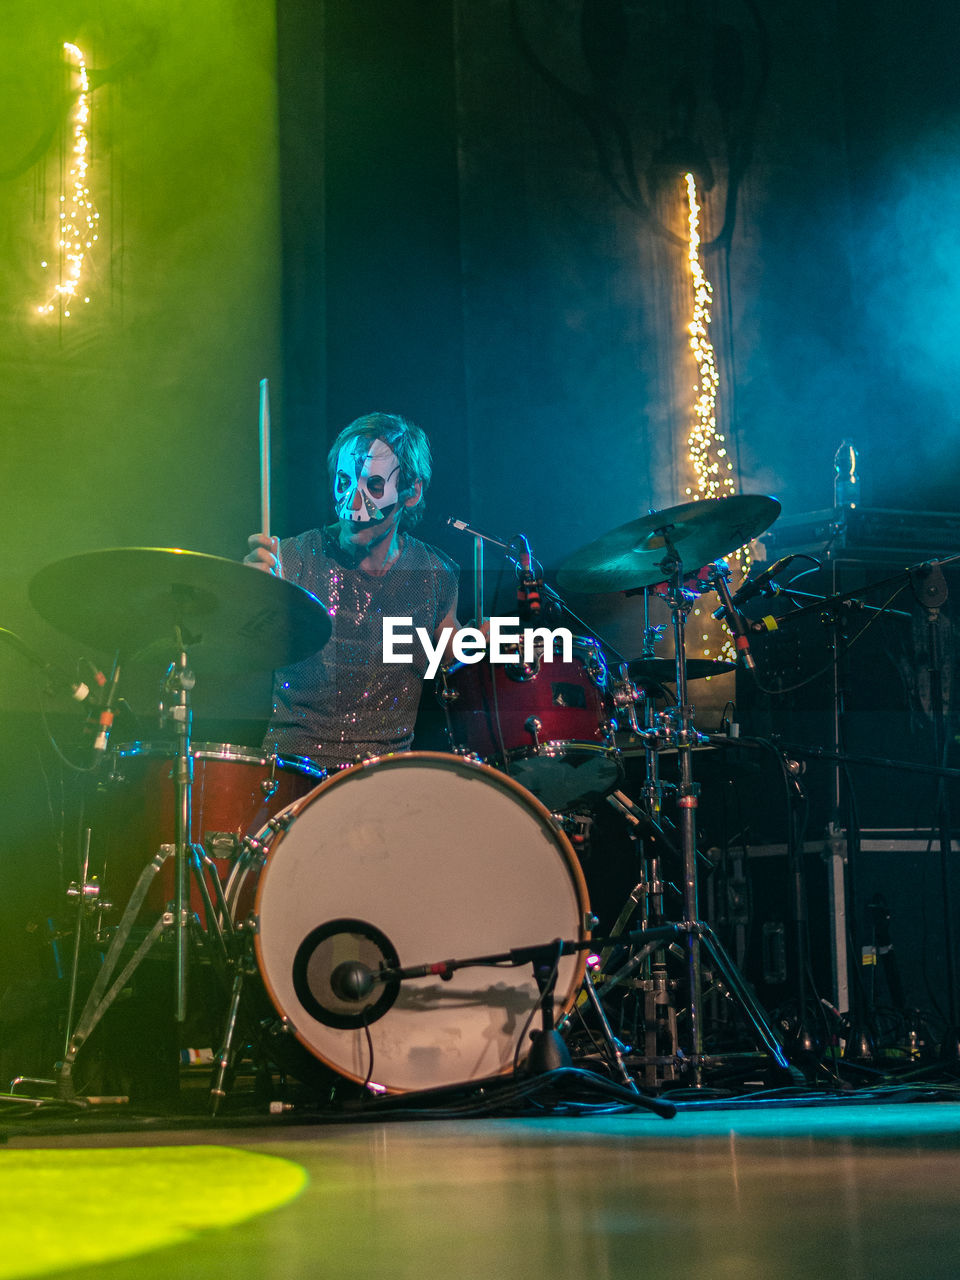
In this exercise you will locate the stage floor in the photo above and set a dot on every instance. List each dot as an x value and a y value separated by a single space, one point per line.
859 1190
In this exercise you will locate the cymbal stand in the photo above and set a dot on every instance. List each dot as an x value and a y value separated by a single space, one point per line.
645 828
688 792
659 1050
698 933
188 860
86 893
180 682
674 726
652 789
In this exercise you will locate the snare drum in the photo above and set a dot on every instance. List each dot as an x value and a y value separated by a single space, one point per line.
548 723
408 860
235 791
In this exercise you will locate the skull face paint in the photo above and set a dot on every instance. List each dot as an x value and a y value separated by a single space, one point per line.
365 484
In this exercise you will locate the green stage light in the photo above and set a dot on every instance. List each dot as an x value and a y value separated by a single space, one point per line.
73 1208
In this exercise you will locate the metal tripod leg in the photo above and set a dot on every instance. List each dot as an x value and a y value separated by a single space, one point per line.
106 986
94 1011
609 1037
225 1057
744 995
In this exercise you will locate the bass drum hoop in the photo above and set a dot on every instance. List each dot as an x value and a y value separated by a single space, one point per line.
270 839
228 751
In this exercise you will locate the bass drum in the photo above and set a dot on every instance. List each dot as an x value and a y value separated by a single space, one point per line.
408 860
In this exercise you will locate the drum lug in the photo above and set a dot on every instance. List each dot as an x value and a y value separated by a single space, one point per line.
594 664
221 844
248 925
269 787
250 844
88 892
445 695
522 671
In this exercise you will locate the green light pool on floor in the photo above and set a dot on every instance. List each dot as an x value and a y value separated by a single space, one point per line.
62 1209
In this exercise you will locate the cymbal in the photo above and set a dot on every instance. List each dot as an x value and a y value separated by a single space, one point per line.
638 554
664 670
134 599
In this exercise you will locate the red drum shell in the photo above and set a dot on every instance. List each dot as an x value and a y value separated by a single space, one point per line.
492 707
235 791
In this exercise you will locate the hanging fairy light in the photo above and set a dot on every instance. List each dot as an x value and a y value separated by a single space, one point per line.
706 443
78 219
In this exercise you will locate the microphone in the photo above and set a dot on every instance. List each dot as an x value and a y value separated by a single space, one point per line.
57 678
734 620
352 980
106 713
528 582
760 585
462 527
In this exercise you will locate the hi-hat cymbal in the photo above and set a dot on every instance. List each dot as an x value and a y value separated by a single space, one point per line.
135 598
664 670
643 552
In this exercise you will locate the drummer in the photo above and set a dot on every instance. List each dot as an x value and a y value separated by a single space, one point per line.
345 704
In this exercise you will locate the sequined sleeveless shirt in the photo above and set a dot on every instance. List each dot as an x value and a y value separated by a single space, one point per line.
345 703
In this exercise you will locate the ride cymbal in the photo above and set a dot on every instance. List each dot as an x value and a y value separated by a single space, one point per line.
645 551
137 599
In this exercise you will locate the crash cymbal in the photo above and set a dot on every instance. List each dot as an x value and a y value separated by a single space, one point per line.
664 670
640 553
133 599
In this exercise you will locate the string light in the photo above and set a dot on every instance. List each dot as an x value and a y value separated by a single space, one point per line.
78 220
706 444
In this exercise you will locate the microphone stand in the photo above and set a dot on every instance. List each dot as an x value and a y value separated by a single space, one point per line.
930 589
548 1051
478 540
803 1039
841 841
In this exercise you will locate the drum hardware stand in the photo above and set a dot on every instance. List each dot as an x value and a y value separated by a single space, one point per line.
107 987
548 1051
226 1054
930 589
805 1041
660 1053
698 933
239 958
840 841
189 860
86 894
614 1046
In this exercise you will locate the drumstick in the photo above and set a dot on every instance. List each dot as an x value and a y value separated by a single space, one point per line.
264 457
